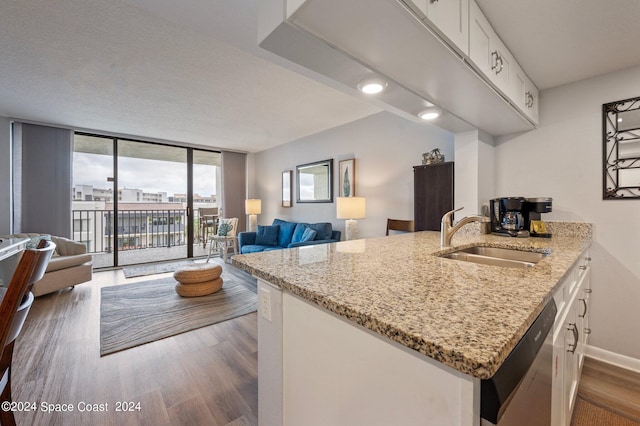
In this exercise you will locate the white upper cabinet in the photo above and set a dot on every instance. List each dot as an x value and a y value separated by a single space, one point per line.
492 58
451 19
486 50
524 93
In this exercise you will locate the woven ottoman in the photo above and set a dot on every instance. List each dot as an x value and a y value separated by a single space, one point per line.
198 280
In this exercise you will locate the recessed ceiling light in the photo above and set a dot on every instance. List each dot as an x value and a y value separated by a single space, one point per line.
429 114
371 86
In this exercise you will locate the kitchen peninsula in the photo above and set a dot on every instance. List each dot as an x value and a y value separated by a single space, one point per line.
385 331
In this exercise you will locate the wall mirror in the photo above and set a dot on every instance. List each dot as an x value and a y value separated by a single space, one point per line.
621 134
314 182
287 188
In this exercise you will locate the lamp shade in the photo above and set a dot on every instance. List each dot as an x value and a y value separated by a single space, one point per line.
253 206
351 207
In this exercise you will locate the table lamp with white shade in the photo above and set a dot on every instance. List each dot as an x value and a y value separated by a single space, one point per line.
351 208
253 208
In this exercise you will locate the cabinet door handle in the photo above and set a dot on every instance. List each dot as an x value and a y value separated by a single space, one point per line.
433 1
576 337
587 331
529 101
498 63
584 314
588 290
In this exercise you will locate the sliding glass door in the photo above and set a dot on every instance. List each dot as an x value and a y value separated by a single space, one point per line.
137 202
152 219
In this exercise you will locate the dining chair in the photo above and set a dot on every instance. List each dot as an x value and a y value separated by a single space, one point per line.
399 225
208 222
16 302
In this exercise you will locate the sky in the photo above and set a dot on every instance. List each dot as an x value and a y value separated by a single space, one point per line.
147 175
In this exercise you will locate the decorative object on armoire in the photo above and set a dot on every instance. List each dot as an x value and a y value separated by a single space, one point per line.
433 195
287 188
347 174
621 149
351 208
432 157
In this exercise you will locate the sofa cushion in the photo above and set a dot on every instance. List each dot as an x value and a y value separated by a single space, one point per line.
323 230
267 235
309 235
298 232
67 247
286 231
63 262
251 248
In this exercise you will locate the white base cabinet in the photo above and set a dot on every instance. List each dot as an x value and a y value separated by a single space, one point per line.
571 332
324 370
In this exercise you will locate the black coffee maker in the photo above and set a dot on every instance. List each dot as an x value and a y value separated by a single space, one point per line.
507 218
519 216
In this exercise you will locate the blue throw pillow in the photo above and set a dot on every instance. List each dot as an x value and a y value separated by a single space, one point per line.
309 235
285 233
323 230
267 235
298 232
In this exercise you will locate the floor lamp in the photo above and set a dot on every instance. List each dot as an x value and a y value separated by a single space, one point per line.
351 208
253 207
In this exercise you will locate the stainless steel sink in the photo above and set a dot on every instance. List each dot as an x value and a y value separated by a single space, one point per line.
509 258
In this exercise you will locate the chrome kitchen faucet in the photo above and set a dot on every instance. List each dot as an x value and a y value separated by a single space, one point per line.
447 229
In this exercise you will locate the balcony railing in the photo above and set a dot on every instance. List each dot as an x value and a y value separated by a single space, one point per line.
137 229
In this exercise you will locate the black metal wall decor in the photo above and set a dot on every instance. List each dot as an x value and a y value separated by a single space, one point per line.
621 145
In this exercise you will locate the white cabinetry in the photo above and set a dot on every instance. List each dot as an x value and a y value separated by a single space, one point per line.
523 92
569 339
492 58
487 51
451 19
316 368
448 18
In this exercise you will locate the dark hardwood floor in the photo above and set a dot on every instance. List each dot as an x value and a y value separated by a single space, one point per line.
204 377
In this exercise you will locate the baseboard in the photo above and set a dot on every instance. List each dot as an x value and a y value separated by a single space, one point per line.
623 361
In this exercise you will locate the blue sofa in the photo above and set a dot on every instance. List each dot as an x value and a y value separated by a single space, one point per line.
283 234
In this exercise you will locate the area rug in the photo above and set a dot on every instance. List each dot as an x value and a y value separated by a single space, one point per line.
139 313
152 269
587 414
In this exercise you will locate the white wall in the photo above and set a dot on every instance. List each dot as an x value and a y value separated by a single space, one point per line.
474 172
563 159
386 148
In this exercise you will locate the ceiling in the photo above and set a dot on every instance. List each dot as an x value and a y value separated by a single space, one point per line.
191 71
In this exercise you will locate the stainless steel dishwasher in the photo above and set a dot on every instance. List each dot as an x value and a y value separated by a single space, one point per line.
519 393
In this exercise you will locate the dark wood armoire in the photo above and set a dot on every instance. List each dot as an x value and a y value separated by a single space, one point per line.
432 194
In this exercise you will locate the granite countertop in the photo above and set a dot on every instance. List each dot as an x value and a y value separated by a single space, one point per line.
466 315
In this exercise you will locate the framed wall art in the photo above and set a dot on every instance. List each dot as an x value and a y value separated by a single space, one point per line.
287 188
347 177
314 182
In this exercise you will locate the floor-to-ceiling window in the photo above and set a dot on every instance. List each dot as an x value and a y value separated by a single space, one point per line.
137 202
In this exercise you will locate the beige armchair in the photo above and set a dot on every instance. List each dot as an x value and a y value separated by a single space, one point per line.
70 265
